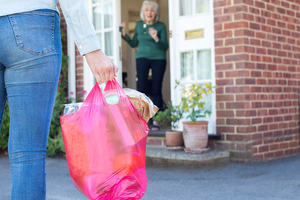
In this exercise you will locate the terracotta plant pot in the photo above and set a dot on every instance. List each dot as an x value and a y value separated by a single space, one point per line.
174 140
195 136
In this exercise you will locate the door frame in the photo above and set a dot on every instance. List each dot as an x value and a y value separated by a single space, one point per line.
174 60
89 80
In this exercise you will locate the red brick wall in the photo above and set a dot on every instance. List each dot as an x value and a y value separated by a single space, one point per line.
257 46
79 59
63 29
79 76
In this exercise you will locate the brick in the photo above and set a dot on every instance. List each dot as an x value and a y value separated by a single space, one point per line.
236 41
244 32
225 113
222 19
244 49
242 89
246 113
235 9
220 82
230 121
218 27
245 81
235 25
255 26
225 129
263 149
256 121
259 4
224 97
238 105
248 129
237 137
263 128
224 66
237 57
245 65
224 50
246 97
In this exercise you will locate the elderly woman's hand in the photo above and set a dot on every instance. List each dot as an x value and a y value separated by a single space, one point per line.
153 33
123 25
101 66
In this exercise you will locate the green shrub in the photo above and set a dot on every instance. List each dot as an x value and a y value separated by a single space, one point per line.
55 142
4 130
170 116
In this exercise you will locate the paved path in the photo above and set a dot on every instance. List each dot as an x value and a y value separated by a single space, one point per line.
276 180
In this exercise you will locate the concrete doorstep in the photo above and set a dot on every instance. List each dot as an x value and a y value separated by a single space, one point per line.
159 155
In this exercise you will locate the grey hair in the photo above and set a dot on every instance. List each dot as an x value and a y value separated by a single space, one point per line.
156 8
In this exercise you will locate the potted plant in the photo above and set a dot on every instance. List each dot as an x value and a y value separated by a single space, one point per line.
195 131
171 116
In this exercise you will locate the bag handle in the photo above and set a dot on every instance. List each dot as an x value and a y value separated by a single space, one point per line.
96 96
114 85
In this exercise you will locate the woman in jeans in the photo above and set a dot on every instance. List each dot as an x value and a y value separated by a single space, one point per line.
150 36
30 61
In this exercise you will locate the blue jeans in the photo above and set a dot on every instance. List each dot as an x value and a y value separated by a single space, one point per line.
30 62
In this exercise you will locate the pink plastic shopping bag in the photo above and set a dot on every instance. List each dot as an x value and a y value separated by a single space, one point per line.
106 146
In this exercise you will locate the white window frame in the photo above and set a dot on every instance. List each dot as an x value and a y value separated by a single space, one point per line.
89 80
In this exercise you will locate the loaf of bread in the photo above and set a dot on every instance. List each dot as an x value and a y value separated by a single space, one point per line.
142 104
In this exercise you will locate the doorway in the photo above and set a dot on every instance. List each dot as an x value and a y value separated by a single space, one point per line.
130 14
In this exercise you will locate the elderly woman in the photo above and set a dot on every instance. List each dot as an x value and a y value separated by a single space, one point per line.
150 36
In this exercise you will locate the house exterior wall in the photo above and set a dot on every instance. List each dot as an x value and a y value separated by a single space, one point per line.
257 56
79 59
63 29
257 47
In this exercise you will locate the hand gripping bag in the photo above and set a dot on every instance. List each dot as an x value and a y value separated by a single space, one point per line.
106 146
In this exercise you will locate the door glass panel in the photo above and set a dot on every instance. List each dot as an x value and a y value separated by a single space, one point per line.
208 102
97 17
202 6
108 43
108 15
99 35
204 64
185 7
187 63
96 1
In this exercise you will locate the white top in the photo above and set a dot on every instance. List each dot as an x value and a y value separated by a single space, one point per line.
75 13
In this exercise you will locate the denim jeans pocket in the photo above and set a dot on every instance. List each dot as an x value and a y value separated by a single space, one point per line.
34 31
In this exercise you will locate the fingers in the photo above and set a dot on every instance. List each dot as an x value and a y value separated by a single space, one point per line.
152 32
107 73
102 66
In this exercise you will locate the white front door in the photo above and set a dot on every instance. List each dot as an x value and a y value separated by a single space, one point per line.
192 48
106 17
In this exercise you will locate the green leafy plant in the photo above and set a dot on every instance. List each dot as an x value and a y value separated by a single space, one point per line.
4 130
55 145
55 142
193 99
169 116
